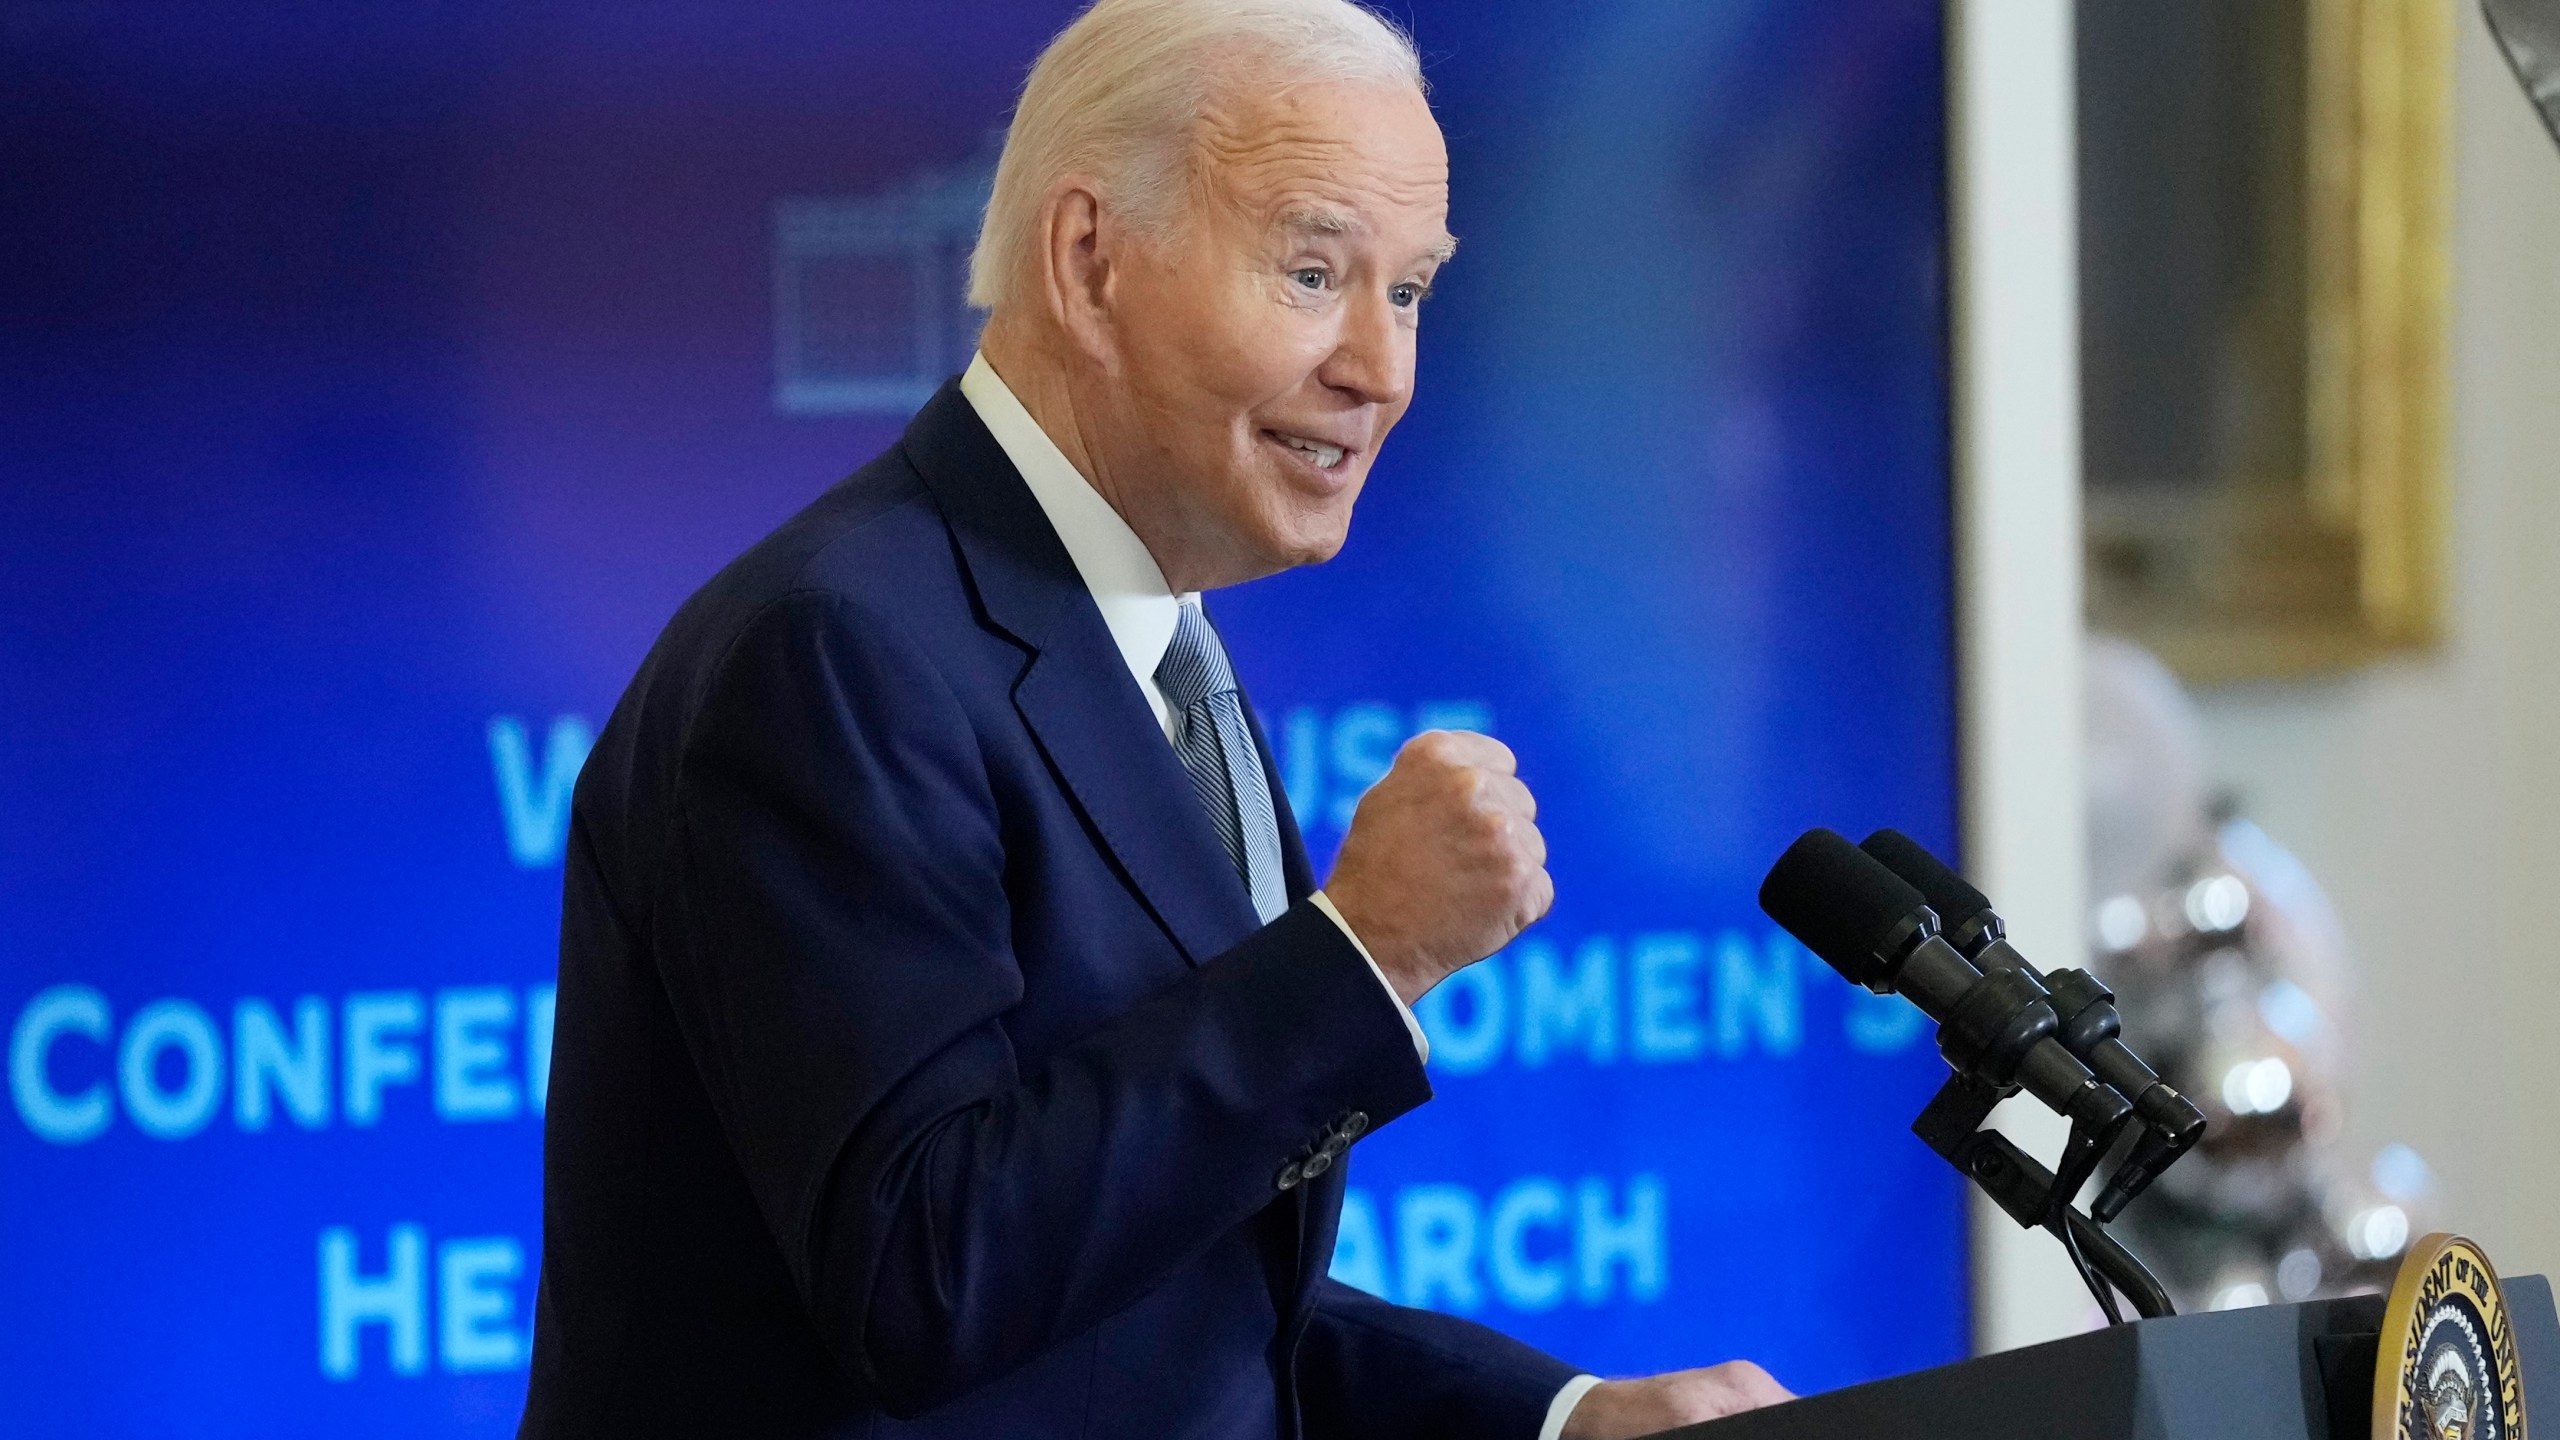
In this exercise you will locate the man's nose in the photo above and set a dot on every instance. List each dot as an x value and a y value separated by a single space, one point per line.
1372 359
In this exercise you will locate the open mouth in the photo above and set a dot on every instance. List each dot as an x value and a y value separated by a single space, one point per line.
1315 452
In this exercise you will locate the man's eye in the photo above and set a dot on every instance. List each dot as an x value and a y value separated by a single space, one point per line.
1405 297
1311 279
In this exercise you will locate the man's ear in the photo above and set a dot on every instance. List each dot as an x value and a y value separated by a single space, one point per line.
1079 268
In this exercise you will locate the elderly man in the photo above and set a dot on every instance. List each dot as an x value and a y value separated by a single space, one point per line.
952 1040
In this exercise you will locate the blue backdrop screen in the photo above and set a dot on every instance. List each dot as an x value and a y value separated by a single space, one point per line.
379 377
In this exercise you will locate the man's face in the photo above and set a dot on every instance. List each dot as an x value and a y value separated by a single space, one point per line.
1266 349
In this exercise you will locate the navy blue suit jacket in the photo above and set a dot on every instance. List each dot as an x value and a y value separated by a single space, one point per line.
921 1067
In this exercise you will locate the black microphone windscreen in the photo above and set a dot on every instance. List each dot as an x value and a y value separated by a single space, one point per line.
1946 891
1837 900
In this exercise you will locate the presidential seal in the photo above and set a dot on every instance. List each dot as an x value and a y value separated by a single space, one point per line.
2447 1367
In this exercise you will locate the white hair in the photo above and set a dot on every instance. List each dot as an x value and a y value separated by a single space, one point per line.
1115 96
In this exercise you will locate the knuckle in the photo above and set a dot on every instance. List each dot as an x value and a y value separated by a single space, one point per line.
1743 1370
1459 786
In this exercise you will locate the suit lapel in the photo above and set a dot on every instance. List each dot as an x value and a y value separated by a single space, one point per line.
1081 703
1076 694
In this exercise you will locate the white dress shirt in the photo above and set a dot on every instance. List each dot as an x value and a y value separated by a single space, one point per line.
1141 610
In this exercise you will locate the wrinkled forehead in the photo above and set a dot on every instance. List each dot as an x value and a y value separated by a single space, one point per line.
1361 161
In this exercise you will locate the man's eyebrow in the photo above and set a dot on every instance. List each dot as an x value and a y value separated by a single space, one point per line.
1317 220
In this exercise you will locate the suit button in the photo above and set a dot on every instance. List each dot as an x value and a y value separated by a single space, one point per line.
1333 1146
1352 1124
1290 1175
1318 1163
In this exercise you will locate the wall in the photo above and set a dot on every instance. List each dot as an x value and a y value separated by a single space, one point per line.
2422 792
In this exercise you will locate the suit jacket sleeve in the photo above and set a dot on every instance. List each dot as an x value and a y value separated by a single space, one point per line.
835 944
1369 1370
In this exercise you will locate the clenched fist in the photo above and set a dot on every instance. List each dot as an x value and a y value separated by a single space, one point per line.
1444 863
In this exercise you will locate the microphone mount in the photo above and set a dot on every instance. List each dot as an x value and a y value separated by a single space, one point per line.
2000 1029
2169 1123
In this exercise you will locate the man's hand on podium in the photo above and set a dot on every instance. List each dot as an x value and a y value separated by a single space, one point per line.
1623 1409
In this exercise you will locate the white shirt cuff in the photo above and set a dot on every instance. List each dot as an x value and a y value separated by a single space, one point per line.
1560 1409
1413 1027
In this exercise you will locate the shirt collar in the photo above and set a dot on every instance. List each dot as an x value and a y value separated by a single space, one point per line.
1138 607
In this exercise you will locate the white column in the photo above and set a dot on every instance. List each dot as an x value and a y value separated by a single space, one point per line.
2017 369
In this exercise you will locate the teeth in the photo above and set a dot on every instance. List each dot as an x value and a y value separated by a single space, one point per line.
1325 456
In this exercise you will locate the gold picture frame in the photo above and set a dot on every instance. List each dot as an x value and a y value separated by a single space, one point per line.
2265 454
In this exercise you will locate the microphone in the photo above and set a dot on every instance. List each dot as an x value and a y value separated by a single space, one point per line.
1998 1027
2089 1023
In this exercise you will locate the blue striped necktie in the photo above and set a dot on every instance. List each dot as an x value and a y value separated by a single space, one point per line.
1226 771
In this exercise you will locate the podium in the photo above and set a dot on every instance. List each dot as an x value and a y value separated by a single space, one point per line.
2279 1372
